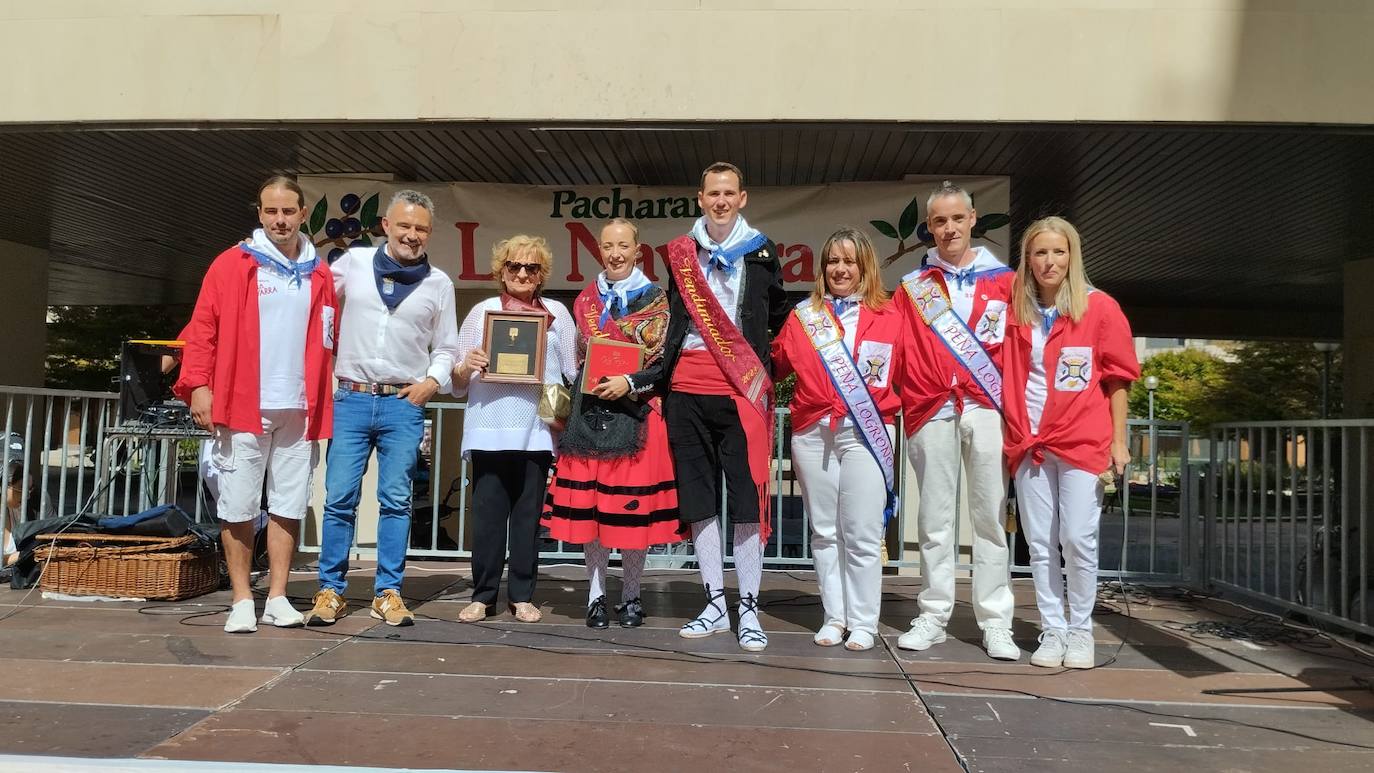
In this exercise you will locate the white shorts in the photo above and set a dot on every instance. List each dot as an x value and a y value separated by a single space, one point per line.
281 457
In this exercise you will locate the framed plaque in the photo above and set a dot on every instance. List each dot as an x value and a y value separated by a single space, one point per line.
514 343
606 358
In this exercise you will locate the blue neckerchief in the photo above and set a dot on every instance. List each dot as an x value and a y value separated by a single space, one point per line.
984 264
1047 318
616 297
269 257
841 305
403 279
743 239
962 278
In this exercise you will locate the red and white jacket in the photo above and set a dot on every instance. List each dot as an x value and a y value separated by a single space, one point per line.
223 343
1081 359
931 375
877 351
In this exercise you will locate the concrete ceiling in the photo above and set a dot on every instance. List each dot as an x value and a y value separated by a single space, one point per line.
1189 224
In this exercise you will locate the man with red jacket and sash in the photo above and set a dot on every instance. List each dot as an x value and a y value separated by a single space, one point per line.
257 372
725 303
956 308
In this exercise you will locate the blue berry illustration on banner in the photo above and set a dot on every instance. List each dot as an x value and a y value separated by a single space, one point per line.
357 224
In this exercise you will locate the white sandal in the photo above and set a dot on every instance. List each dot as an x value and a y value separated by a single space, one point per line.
829 635
859 641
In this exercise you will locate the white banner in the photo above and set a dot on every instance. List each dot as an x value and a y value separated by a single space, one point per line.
472 217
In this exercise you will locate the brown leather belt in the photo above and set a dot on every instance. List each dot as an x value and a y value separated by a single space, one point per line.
372 389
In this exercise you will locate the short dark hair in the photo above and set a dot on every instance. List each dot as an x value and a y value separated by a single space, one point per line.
282 181
722 166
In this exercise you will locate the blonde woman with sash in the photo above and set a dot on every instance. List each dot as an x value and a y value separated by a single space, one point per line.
843 344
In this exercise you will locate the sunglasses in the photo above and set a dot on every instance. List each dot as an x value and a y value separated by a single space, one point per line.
533 269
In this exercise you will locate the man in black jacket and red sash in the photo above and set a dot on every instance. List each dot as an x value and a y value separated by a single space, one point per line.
725 303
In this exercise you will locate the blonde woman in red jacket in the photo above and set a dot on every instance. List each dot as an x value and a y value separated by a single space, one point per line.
1067 363
841 342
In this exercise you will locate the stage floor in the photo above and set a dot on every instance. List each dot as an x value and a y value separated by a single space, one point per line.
129 681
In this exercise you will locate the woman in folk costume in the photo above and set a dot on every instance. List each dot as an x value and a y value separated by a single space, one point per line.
841 342
613 485
1067 363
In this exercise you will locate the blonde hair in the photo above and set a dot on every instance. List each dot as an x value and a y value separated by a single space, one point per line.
521 245
870 278
1071 300
634 229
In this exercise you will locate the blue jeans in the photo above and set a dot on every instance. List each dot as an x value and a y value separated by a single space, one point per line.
395 427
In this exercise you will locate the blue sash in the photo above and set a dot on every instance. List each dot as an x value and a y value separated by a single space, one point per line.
822 329
939 315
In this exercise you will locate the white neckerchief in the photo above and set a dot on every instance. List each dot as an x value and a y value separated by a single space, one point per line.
727 253
266 246
622 288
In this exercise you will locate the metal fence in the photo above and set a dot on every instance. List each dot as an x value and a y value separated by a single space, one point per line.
1276 511
1288 516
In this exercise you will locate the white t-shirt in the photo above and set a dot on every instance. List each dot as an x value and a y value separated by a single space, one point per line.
283 315
726 289
1037 389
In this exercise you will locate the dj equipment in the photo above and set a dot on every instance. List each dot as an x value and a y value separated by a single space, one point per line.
147 371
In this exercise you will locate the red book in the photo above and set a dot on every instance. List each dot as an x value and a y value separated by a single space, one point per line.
607 358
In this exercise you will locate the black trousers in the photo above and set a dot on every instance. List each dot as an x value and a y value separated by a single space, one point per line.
707 438
507 499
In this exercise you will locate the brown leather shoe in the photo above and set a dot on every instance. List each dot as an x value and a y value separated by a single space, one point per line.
328 607
392 608
475 612
526 612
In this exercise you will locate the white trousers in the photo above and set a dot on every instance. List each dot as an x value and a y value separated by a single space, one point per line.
844 494
972 440
1059 511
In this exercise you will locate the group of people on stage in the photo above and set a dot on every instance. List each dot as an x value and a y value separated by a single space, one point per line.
997 373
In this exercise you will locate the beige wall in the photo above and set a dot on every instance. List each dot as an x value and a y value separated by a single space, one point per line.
23 314
920 60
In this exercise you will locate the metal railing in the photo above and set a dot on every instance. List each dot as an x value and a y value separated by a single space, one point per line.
61 437
1288 516
1275 511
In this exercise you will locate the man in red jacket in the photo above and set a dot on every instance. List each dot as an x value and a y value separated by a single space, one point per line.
956 306
257 373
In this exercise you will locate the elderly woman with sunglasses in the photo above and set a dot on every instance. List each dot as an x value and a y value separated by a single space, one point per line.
509 447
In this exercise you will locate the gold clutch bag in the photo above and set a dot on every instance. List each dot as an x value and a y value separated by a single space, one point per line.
555 405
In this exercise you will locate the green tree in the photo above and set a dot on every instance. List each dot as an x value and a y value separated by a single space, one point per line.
1277 381
1188 383
1266 381
84 341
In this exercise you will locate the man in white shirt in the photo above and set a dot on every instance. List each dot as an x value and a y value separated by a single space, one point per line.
398 340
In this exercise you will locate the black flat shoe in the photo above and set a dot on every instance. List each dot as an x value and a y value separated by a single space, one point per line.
631 613
596 614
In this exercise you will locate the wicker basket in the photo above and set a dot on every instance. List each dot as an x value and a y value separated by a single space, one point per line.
126 566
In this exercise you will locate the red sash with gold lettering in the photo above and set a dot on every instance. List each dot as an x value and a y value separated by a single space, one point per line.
738 363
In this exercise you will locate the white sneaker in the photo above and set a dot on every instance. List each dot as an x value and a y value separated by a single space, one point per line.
924 634
1080 652
1050 653
998 643
241 618
279 612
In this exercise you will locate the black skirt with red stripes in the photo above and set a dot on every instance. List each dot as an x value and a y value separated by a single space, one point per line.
627 502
